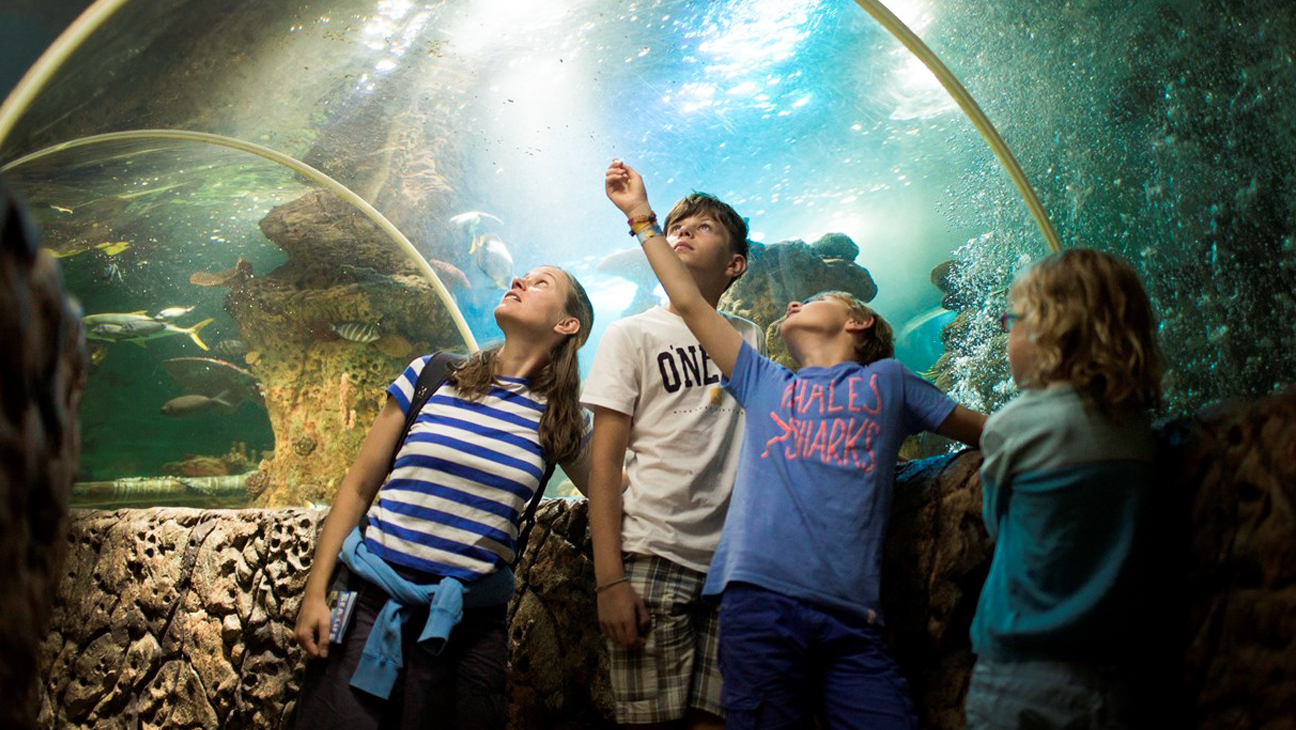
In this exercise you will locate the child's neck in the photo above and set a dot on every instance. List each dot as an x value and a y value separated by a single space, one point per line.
824 353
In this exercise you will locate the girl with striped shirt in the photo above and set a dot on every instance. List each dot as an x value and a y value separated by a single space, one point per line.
431 570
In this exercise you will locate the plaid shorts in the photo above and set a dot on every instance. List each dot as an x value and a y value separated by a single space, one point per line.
678 667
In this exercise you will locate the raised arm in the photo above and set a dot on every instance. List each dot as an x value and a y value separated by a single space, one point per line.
625 188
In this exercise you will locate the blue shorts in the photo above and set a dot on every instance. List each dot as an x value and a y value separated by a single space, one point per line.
785 660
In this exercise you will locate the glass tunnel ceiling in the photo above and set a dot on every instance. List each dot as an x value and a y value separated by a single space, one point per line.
713 97
807 116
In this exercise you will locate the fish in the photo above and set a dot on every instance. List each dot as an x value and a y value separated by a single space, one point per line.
361 332
113 248
61 209
493 258
242 268
172 313
137 327
230 348
449 274
472 220
192 405
97 352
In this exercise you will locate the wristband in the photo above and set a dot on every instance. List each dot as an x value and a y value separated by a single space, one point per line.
647 232
609 584
642 218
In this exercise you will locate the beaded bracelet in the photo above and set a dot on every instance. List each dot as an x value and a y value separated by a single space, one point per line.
611 583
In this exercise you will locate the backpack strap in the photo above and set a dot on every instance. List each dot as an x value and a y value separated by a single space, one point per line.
432 376
528 518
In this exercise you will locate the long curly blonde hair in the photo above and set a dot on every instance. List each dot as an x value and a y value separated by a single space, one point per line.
562 425
1092 326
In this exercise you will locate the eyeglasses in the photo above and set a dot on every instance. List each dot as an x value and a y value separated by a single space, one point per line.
1006 320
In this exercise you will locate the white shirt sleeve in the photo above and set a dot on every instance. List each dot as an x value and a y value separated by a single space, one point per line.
614 378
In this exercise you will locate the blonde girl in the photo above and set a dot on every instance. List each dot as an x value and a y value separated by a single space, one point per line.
1067 490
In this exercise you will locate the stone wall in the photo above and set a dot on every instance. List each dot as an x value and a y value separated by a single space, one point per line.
174 618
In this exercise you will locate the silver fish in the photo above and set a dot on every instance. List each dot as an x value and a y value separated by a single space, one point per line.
361 332
136 327
190 405
493 258
472 220
172 313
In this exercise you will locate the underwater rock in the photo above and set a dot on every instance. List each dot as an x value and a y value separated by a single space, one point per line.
836 246
320 387
319 231
782 272
44 372
256 484
303 445
242 270
1232 475
791 270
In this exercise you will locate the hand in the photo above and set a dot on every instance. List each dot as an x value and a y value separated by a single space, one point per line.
312 630
625 188
623 616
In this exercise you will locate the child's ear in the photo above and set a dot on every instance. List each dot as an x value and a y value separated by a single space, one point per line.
737 266
859 325
567 326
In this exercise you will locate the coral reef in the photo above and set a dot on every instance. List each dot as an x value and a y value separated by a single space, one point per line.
322 389
42 376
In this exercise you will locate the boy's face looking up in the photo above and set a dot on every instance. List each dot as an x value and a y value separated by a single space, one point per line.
709 237
826 316
700 242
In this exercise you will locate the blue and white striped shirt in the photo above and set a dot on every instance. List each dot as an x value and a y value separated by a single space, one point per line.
462 478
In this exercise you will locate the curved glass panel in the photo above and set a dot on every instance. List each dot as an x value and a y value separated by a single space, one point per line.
216 286
1157 130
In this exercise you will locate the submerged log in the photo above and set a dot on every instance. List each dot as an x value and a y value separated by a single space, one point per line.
213 491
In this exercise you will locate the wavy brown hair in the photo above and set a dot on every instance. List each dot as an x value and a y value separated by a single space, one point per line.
562 426
878 342
1093 327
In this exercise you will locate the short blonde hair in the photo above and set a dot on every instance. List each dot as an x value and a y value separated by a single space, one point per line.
878 342
1093 327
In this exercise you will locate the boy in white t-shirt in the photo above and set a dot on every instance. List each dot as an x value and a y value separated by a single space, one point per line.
656 396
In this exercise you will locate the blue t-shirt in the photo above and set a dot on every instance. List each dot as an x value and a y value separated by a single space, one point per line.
1067 496
813 495
462 477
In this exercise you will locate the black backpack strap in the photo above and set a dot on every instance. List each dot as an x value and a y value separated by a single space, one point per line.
433 375
528 518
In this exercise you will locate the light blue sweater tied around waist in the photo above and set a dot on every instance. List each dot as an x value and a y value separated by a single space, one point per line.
381 659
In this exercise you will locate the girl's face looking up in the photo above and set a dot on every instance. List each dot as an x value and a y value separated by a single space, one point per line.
537 300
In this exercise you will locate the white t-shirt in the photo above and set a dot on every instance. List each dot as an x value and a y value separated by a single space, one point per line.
684 434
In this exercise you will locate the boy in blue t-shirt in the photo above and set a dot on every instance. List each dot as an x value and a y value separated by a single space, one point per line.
799 560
